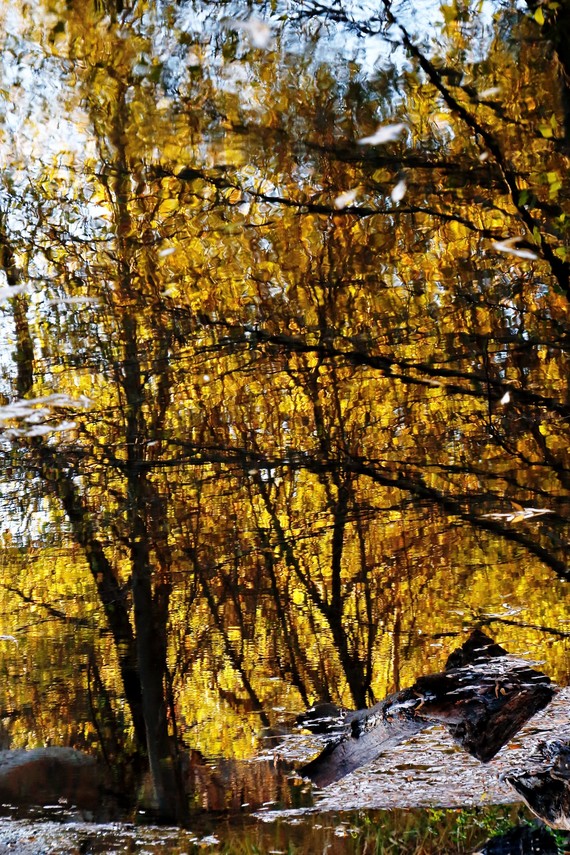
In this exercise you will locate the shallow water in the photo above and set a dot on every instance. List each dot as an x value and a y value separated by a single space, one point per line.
285 378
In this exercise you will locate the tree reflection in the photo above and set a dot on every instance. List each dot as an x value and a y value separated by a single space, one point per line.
307 419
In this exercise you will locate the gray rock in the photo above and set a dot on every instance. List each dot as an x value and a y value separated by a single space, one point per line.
51 775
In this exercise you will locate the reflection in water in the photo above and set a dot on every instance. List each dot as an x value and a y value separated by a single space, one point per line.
522 840
262 448
484 698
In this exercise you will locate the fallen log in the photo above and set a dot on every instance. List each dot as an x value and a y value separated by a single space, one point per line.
368 733
545 784
483 697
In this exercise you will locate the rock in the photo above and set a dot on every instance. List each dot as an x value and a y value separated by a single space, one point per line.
52 775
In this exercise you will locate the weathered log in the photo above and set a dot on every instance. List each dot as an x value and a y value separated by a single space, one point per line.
366 735
325 718
545 784
483 707
483 698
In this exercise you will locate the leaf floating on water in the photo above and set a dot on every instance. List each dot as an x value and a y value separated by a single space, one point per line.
518 515
345 199
384 134
510 246
517 518
399 191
